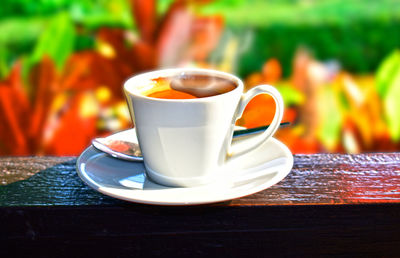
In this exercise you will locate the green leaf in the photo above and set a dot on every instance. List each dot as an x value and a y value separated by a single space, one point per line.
386 72
391 105
57 40
4 69
290 95
20 32
331 119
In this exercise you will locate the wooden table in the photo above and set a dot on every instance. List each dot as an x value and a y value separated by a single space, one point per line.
330 204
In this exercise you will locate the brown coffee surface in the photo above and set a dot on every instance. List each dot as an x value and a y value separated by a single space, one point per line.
189 86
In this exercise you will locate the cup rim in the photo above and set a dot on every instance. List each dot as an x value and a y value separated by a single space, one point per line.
130 82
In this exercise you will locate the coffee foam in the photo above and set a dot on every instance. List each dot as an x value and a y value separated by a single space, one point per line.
201 86
194 85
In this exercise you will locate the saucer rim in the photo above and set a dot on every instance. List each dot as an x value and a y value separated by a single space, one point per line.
281 174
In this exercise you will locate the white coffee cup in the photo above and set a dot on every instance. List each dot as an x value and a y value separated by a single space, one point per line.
188 142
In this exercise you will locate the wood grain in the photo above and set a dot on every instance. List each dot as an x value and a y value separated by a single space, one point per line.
320 179
329 205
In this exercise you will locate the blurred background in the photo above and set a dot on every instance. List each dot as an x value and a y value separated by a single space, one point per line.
336 63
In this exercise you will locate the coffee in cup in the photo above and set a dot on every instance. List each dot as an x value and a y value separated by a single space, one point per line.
188 86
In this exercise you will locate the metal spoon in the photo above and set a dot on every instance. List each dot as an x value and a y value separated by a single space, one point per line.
130 150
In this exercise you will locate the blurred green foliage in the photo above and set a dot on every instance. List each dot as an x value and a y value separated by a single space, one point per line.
359 46
357 33
388 87
90 13
57 40
30 29
387 71
291 96
332 120
261 13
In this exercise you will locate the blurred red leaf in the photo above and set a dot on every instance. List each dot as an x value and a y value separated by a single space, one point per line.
145 17
12 133
272 70
43 80
76 72
72 131
14 107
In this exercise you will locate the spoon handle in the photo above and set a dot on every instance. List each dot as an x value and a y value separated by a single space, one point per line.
244 132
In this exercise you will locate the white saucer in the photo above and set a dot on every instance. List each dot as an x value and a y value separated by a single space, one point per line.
254 172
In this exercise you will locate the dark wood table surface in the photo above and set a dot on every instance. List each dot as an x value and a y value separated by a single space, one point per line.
329 205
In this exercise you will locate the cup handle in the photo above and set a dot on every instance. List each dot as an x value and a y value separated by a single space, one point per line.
238 148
